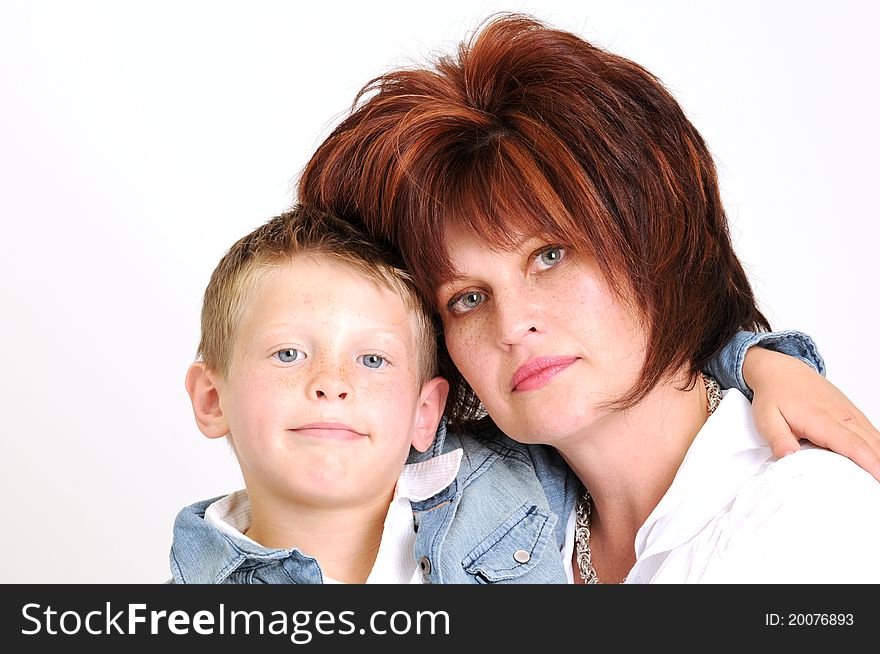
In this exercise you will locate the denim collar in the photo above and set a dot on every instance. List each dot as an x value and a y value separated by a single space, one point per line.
201 554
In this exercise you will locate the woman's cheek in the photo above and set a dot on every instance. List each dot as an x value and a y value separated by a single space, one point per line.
452 334
466 346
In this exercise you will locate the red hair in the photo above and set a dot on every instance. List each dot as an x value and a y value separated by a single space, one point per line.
532 131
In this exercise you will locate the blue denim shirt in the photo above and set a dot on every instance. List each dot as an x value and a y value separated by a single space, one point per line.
727 367
502 520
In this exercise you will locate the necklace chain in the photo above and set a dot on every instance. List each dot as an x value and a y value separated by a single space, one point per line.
585 503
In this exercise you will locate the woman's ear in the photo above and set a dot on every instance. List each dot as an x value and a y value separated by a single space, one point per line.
205 398
432 403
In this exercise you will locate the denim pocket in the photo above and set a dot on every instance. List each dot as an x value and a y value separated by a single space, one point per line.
513 549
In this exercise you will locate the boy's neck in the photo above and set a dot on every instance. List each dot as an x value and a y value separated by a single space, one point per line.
344 541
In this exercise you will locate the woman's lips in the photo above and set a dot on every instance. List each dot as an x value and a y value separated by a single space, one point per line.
537 372
332 430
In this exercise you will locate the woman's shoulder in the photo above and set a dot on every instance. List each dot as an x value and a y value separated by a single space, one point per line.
812 516
821 475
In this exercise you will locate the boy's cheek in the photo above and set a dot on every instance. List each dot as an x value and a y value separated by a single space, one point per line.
399 391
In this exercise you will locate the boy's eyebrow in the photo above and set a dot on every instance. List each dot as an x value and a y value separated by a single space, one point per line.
277 330
393 334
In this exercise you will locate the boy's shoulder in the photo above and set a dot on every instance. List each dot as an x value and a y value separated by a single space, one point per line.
207 548
197 544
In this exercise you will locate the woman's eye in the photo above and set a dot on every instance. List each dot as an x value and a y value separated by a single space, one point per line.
549 257
289 355
466 302
372 360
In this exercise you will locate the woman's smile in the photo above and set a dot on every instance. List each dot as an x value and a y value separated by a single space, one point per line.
538 372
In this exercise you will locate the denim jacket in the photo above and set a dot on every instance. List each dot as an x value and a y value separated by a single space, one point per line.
502 520
202 554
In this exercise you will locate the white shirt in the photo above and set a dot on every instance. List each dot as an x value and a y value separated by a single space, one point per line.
395 562
736 514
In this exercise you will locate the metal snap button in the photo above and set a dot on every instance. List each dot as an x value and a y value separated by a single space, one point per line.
521 556
425 565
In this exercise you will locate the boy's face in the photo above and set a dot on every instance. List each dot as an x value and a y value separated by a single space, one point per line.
323 398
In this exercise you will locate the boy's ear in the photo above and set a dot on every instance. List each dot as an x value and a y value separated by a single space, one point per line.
206 401
432 403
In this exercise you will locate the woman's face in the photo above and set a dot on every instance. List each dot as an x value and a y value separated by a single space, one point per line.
539 335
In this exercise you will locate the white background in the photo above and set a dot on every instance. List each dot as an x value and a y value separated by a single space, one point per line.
138 140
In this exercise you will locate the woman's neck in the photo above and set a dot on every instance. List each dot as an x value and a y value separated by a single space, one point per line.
628 460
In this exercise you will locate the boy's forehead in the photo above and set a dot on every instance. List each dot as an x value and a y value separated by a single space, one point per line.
329 285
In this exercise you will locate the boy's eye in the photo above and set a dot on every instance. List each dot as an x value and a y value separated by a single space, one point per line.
372 360
466 301
549 257
289 355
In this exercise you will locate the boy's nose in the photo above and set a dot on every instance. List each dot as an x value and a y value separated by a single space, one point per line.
322 394
330 385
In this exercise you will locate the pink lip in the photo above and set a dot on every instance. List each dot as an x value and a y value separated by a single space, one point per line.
332 430
538 372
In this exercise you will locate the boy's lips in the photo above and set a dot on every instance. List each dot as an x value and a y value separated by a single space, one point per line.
537 372
332 430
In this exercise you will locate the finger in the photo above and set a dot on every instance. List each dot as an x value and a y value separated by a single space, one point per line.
871 432
851 412
867 434
776 431
852 418
846 438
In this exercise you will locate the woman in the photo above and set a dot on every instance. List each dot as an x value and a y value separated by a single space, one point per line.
582 268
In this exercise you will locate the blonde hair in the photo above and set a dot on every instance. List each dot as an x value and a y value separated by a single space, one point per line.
302 230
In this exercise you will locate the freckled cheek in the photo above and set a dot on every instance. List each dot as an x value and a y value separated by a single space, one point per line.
383 406
384 393
468 347
265 389
607 327
376 388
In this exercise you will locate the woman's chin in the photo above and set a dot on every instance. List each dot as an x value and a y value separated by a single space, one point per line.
548 428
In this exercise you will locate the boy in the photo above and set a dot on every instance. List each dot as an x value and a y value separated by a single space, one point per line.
318 361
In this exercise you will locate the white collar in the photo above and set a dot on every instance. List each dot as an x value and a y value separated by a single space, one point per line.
424 479
729 437
727 450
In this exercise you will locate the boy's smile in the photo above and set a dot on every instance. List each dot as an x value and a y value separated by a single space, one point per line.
330 430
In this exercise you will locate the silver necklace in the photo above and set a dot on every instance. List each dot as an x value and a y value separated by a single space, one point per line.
585 503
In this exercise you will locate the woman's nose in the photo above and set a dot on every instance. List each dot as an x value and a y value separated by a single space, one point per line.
517 318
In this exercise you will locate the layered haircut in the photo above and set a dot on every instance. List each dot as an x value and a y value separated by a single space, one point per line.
303 231
532 131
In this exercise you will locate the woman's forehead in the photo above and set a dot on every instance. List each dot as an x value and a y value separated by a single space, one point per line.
458 233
